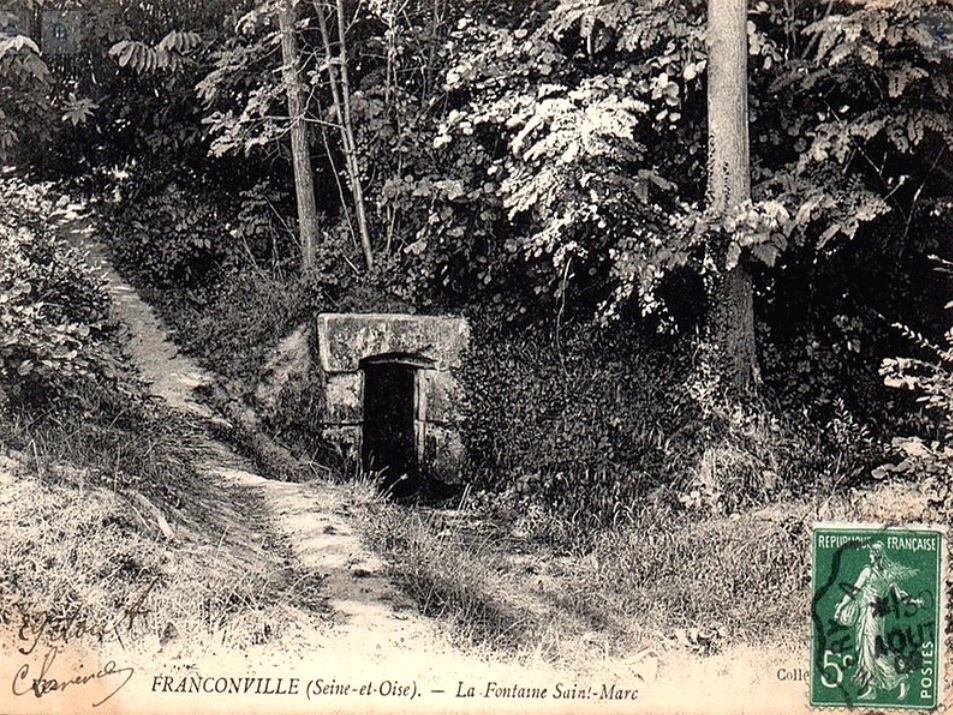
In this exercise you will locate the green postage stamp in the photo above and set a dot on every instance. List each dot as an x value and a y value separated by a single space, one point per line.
877 612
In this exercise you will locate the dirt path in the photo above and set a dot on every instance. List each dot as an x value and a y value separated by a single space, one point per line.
313 517
372 625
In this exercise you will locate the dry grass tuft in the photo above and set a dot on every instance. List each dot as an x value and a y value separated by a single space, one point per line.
745 577
451 576
85 534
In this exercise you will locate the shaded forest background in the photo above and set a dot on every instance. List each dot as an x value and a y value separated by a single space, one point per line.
539 167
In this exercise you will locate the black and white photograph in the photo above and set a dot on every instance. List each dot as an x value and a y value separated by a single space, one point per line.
475 356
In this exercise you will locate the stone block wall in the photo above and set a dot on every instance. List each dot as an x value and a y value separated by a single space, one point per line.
433 345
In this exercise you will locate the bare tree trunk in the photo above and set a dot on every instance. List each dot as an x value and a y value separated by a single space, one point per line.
356 189
341 98
300 151
731 315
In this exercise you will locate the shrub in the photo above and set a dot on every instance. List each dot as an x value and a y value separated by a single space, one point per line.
53 311
929 455
575 438
172 236
764 448
583 429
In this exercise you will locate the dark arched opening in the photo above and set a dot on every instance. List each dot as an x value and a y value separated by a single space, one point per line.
389 443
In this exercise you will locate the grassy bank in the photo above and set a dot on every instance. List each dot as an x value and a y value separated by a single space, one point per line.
706 582
104 505
661 580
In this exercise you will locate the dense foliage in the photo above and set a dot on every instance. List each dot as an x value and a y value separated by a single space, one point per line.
590 431
24 79
173 235
54 312
550 161
538 165
928 455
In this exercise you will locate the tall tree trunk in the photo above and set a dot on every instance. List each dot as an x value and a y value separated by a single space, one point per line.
300 151
730 328
341 99
360 208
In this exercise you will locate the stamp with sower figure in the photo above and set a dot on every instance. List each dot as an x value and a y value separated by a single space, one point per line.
877 613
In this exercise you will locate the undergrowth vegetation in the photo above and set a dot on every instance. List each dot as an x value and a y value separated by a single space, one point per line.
573 438
71 394
661 574
927 455
54 312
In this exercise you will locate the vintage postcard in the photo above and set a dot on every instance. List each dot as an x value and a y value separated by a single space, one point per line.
476 356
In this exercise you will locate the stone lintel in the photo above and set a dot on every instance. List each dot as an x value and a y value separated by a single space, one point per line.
344 339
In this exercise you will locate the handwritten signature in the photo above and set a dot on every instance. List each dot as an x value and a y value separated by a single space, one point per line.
55 632
43 683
